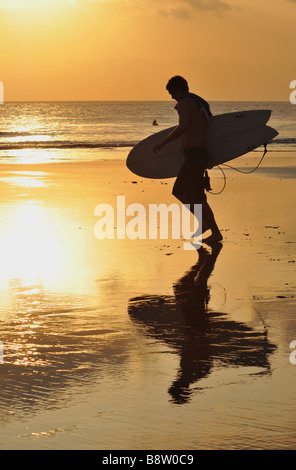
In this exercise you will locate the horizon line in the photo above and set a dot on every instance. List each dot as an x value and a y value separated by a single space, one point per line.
138 101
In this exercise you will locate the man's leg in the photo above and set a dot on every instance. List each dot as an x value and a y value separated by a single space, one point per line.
210 223
205 222
188 187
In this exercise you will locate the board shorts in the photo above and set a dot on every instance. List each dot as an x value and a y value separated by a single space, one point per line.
189 186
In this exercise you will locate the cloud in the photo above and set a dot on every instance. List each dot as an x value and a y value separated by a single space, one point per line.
181 9
208 5
181 13
186 9
203 5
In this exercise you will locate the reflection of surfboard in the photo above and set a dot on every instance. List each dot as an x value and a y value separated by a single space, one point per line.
229 136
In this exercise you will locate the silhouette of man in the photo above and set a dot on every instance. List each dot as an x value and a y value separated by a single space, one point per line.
194 114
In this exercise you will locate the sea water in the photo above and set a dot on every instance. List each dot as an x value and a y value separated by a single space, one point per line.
42 132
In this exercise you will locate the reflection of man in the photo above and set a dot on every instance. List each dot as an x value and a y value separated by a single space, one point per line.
193 113
202 337
196 351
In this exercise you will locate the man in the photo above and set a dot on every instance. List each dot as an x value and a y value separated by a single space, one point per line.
194 113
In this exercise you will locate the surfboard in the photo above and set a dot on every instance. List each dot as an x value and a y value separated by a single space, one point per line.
229 136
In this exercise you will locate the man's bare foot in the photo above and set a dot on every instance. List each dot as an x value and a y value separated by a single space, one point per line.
214 238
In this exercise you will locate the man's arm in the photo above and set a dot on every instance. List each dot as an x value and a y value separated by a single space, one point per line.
183 111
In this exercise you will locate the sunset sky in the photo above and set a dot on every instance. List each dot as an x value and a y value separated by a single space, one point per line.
128 49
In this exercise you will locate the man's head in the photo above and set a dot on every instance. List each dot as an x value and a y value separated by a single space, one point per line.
177 86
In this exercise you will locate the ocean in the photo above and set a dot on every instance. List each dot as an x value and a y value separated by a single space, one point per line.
43 132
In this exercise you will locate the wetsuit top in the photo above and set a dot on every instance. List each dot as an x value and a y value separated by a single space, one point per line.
203 104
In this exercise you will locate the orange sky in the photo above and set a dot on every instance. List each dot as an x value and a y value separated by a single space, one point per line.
127 50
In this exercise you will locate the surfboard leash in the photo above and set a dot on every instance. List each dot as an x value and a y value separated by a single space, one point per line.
236 169
208 187
254 169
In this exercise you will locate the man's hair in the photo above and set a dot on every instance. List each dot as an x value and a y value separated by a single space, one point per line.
177 83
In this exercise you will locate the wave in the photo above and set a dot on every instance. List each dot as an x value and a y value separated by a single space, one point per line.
15 134
61 144
286 141
77 144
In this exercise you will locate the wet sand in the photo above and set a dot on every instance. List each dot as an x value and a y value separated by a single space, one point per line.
139 344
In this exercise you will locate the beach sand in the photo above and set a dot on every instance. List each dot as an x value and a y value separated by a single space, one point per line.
140 344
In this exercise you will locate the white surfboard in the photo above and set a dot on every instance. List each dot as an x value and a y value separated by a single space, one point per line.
229 136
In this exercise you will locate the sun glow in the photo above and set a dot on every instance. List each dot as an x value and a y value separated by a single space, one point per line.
33 4
30 250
